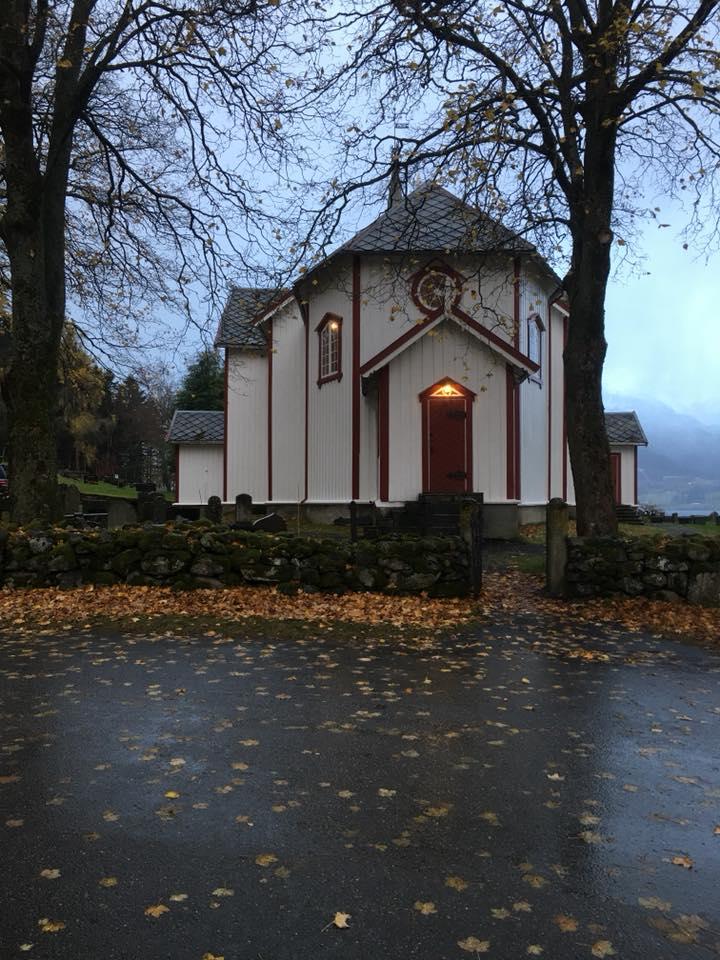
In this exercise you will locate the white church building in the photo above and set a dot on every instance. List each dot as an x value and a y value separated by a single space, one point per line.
424 356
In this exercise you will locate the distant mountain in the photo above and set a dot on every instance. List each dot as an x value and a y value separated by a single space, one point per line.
681 466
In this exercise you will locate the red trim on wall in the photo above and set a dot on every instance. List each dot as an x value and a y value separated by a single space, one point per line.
328 318
549 394
177 472
635 475
384 434
516 302
306 319
512 440
225 428
356 379
564 433
426 397
415 330
418 328
518 464
270 409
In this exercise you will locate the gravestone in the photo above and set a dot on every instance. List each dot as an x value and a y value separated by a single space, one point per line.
144 507
214 511
120 513
272 523
159 508
72 501
243 508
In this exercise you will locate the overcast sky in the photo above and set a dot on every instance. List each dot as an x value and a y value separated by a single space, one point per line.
663 328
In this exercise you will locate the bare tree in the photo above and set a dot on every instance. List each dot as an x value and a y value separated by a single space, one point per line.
131 136
563 119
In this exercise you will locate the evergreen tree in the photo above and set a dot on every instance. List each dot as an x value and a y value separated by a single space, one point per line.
203 386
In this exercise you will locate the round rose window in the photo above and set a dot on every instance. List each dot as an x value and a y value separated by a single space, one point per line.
437 290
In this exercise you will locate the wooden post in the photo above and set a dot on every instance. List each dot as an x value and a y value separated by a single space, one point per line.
556 546
353 521
476 543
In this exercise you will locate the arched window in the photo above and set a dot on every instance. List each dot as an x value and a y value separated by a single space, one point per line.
535 330
329 332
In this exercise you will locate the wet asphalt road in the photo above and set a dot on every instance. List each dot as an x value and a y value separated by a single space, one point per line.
494 798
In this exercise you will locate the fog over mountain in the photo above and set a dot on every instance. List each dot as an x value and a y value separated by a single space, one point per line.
680 468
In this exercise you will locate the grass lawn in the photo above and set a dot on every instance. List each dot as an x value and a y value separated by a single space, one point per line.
106 489
535 532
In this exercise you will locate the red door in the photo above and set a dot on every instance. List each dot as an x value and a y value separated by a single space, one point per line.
447 445
615 468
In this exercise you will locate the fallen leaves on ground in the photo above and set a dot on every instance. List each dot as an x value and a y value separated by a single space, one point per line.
265 859
602 948
565 923
51 606
340 920
425 907
683 860
51 926
156 910
509 591
50 874
473 945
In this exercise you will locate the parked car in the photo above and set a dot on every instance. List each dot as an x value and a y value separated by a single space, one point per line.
3 481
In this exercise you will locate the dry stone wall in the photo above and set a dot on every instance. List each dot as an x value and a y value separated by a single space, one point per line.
664 569
202 554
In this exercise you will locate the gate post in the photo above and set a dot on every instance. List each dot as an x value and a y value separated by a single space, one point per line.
556 526
476 542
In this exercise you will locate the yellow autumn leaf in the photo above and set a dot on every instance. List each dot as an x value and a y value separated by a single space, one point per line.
157 910
500 913
249 743
223 892
212 956
535 880
172 794
602 948
473 945
108 881
534 950
522 906
110 816
456 883
683 860
654 903
265 859
52 874
50 926
340 920
178 897
239 766
425 907
565 923
64 63
436 812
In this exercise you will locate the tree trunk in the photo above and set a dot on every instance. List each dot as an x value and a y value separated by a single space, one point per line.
31 383
583 360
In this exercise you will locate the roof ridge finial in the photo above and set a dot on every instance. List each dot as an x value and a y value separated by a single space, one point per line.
396 192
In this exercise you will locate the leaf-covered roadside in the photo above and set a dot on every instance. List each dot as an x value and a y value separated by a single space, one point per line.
508 593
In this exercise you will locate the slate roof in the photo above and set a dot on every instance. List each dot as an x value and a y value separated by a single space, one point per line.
431 219
237 324
197 426
625 428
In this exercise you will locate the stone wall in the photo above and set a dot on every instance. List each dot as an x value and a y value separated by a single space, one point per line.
663 569
199 554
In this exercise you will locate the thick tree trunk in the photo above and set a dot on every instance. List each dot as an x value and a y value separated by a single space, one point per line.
584 357
31 384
